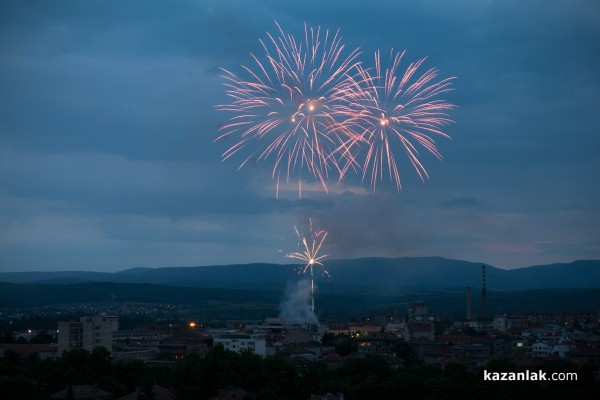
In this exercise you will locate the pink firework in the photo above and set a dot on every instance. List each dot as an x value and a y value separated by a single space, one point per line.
292 108
394 111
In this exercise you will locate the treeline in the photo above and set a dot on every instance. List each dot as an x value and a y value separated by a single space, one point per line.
200 377
215 304
31 295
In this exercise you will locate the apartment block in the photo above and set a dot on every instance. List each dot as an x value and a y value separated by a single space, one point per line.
87 333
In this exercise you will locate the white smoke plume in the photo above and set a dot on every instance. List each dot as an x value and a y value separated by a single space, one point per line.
296 306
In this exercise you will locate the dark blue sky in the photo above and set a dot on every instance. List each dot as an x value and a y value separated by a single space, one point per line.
107 122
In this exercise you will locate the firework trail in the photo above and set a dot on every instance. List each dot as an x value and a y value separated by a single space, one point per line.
396 110
311 245
292 108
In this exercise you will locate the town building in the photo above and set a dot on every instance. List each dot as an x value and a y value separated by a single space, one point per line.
364 328
241 342
419 331
88 333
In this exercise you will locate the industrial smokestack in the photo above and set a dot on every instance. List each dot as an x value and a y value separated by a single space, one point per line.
483 291
469 303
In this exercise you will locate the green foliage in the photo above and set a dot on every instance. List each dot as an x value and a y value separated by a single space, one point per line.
214 303
42 338
201 377
18 388
406 352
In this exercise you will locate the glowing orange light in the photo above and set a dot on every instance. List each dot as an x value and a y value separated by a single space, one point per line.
383 121
192 324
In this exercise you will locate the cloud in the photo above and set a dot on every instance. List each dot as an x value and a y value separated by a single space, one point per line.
100 183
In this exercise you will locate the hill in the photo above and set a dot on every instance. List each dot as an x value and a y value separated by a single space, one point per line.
351 274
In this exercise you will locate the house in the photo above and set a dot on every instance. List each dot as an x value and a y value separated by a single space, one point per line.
395 362
135 353
233 394
295 350
339 329
590 356
364 328
82 392
455 359
418 331
380 343
327 396
158 393
436 353
240 342
297 336
27 349
332 360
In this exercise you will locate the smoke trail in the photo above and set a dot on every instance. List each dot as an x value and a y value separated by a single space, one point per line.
296 303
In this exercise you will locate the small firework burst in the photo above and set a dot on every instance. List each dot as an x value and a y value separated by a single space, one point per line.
311 243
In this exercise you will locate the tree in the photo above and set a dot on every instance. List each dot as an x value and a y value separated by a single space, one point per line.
406 352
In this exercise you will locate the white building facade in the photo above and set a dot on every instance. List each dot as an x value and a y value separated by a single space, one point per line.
256 344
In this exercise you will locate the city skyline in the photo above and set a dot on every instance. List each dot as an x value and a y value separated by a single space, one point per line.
108 122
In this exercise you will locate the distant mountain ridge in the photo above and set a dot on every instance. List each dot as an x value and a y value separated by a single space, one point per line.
348 274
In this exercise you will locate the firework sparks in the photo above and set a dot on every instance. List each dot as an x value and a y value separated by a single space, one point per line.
310 108
311 245
398 109
293 107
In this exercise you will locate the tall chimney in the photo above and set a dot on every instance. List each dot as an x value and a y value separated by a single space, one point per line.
483 291
469 303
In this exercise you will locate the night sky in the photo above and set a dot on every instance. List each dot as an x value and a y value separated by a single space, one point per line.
108 121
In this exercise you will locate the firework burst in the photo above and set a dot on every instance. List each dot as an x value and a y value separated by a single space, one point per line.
310 108
311 244
292 108
397 110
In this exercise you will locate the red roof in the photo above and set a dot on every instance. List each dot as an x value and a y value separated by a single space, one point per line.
453 359
293 349
331 357
234 394
395 360
438 351
456 339
338 327
159 392
365 325
83 392
419 327
28 348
